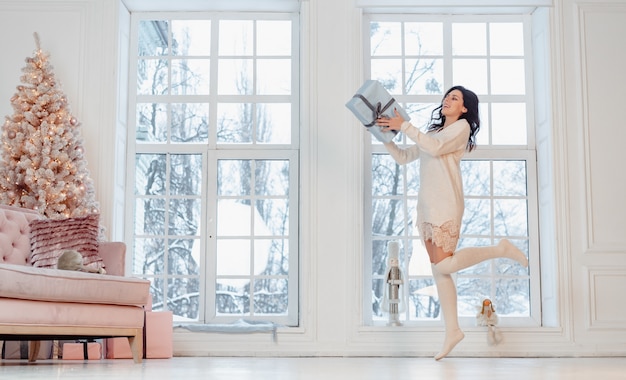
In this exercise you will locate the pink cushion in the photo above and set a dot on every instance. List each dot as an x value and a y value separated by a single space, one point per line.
15 312
41 284
14 234
50 237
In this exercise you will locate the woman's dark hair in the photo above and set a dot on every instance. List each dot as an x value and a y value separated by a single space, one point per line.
470 101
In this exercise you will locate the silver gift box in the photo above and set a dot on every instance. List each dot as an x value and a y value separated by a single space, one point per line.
372 101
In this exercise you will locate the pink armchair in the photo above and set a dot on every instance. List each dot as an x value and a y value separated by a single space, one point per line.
48 304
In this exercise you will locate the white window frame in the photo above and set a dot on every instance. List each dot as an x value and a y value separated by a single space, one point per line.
527 153
211 152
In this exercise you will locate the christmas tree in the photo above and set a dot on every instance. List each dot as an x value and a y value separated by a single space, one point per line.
43 165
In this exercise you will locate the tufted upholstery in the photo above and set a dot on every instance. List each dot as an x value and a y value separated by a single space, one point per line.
14 234
46 304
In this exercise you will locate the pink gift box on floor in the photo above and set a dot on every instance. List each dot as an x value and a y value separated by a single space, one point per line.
118 348
76 351
158 339
158 335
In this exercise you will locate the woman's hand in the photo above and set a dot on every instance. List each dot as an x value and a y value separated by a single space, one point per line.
393 124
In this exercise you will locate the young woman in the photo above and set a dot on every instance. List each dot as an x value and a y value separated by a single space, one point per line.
440 204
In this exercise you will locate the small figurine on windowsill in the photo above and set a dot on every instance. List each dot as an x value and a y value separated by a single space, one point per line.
393 298
487 317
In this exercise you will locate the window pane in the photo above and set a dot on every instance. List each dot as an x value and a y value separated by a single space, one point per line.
190 76
234 124
477 217
509 178
270 296
274 123
508 123
150 177
513 297
273 37
469 39
389 73
183 256
476 178
470 73
471 293
232 177
235 37
182 296
232 296
233 218
152 122
191 37
385 38
388 217
153 37
272 177
233 257
420 113
184 217
507 77
185 174
275 220
419 261
423 38
235 77
423 300
510 217
148 257
190 122
149 216
274 76
506 38
152 76
424 76
387 176
271 257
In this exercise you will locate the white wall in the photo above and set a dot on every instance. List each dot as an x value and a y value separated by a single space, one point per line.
80 36
587 253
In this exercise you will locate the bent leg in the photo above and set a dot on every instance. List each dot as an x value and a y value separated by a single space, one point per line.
467 257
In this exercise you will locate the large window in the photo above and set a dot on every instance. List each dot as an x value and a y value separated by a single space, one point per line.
417 58
213 133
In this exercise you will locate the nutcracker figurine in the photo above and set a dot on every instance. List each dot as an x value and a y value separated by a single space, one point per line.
393 298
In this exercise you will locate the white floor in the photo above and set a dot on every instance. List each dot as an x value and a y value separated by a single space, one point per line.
245 368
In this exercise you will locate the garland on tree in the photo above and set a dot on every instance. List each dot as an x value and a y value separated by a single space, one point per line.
42 157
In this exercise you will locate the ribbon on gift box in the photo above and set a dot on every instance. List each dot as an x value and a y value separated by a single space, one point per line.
377 110
371 102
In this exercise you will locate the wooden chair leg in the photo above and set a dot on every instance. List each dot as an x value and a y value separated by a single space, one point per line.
34 350
136 346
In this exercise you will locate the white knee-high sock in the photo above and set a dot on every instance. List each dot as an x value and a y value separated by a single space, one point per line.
467 257
446 289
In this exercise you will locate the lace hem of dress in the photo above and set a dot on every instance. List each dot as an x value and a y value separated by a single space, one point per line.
445 236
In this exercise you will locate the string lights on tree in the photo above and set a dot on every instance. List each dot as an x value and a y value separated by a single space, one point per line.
43 164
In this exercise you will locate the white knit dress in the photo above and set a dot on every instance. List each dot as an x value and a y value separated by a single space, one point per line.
440 202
